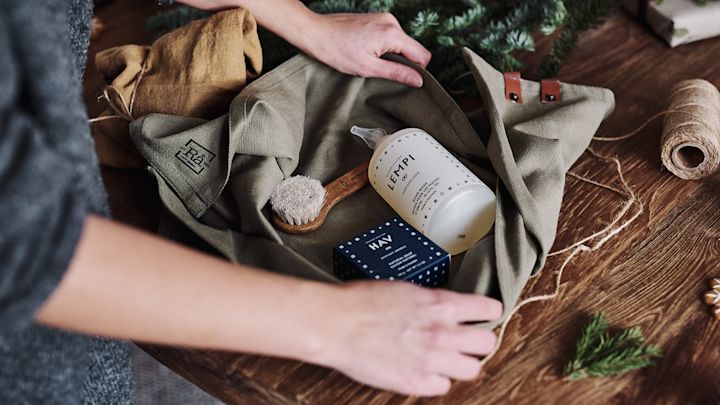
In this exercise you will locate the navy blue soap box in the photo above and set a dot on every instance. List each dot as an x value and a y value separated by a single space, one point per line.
392 251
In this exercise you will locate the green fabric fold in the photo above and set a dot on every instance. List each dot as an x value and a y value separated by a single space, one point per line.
296 119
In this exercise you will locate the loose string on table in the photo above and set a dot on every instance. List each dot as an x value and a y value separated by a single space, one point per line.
602 236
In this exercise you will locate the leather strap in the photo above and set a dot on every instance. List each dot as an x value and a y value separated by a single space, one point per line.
550 91
513 88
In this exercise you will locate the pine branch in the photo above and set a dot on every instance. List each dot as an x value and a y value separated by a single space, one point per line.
581 15
597 353
424 25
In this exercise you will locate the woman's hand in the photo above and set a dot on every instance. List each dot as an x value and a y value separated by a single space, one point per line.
354 43
350 43
405 338
127 284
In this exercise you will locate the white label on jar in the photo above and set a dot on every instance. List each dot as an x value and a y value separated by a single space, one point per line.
415 174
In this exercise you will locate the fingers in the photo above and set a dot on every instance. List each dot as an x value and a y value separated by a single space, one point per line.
457 366
414 50
466 339
468 307
441 368
388 18
430 386
461 340
397 41
471 308
396 72
354 44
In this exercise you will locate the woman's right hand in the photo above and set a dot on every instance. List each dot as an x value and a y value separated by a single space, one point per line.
355 43
350 43
405 338
128 284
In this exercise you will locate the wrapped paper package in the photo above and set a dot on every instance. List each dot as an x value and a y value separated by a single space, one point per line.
678 21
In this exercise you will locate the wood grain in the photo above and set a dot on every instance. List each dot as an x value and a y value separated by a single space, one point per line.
653 274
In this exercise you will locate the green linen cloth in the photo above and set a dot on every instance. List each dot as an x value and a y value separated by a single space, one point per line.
216 176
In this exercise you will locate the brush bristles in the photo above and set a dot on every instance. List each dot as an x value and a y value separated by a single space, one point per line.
298 200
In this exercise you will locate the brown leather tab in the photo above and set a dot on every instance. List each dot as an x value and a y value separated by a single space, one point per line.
513 89
550 91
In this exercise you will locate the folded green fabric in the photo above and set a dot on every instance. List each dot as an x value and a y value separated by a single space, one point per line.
216 176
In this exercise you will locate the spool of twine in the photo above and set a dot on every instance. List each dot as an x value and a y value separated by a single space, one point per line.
690 143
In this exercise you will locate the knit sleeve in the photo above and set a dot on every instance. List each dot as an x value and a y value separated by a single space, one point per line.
42 208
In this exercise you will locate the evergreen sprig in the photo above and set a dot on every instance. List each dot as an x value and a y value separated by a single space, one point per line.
598 353
581 16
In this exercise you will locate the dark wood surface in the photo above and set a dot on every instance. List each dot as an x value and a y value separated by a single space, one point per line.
653 274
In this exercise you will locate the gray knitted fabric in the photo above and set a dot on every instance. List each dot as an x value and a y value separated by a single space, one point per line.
49 181
156 384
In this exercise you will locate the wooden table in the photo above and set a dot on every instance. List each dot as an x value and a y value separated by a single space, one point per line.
653 274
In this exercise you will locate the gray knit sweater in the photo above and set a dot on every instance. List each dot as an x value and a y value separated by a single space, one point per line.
49 181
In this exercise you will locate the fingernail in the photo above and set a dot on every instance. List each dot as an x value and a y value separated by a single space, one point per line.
495 309
416 81
499 309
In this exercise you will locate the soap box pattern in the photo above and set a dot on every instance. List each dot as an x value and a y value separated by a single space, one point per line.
392 251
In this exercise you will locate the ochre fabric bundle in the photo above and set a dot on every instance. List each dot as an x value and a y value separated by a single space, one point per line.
194 71
216 176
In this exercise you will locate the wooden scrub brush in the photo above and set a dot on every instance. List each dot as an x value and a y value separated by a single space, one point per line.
301 203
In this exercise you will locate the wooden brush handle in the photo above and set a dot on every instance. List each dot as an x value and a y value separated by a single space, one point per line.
337 190
344 186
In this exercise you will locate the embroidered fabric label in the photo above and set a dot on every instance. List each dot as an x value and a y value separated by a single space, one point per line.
195 156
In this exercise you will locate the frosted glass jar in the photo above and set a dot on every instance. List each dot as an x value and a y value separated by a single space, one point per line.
429 188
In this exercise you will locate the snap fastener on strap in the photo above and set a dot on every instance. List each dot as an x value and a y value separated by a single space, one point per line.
550 91
513 89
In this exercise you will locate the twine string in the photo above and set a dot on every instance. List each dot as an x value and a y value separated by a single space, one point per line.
627 193
699 120
125 110
604 235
